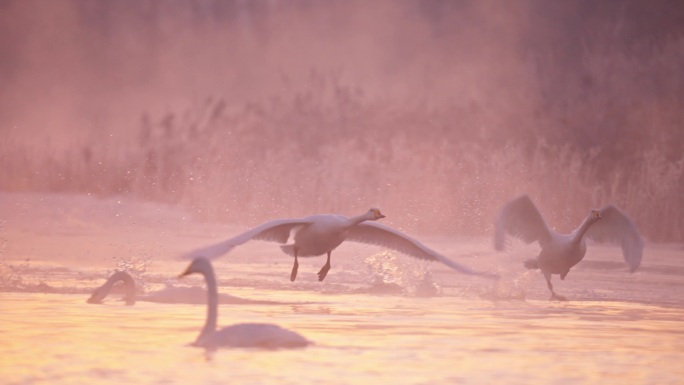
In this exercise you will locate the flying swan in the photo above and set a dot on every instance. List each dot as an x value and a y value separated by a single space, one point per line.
560 252
320 234
244 335
171 294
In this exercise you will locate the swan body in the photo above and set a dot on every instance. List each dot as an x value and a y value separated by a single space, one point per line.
320 234
171 294
244 335
560 252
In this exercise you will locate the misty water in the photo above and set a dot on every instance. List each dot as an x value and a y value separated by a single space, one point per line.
378 317
134 131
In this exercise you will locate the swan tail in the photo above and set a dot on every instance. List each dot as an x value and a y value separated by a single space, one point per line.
288 249
531 264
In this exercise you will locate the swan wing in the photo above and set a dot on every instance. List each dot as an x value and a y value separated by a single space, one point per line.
521 219
275 231
616 227
378 234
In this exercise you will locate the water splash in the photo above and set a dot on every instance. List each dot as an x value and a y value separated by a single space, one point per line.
390 274
21 277
12 274
11 277
137 266
509 289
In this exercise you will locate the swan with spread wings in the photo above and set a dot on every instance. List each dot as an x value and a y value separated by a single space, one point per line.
560 252
320 234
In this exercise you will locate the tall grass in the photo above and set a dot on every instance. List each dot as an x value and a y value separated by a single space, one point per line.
574 125
329 148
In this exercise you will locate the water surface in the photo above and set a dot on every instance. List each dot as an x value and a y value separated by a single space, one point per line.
378 317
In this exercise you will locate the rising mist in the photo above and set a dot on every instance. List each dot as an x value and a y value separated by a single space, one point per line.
435 111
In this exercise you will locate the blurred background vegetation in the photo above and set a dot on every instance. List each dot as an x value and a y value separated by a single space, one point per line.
435 111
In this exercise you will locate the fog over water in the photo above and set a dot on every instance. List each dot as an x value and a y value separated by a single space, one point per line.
132 131
437 111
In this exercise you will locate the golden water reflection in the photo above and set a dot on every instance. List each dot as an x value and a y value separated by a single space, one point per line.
362 339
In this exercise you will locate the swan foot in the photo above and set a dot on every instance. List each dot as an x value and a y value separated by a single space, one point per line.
323 272
293 275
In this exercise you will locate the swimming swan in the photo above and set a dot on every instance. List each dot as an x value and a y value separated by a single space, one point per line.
319 234
240 335
560 252
171 294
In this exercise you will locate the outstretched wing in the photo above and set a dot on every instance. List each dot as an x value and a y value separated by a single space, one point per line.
616 227
521 219
377 234
275 231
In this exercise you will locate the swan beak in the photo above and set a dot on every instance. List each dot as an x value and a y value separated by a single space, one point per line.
379 216
596 214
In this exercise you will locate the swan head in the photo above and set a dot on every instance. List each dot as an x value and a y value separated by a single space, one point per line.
374 214
101 293
98 296
199 265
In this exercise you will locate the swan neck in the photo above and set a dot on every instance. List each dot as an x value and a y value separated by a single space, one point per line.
212 302
582 229
129 289
353 221
107 287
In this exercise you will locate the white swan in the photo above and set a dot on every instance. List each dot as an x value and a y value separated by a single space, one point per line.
171 294
240 335
560 252
320 234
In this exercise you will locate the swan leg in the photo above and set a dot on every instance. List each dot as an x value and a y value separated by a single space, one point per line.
295 267
324 269
554 296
